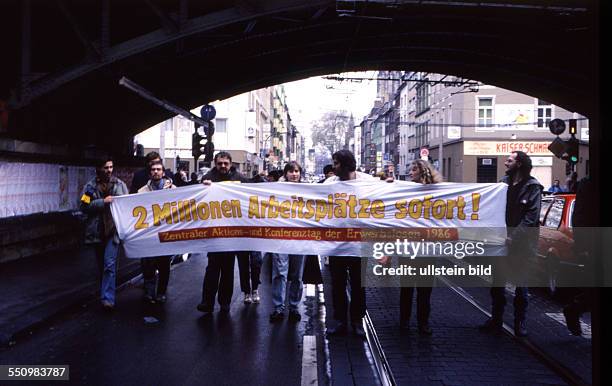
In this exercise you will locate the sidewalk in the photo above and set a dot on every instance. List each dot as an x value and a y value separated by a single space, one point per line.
37 288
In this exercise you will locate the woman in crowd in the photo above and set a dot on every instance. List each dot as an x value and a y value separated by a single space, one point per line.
421 172
287 267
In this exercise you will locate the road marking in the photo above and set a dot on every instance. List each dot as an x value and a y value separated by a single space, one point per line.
558 316
309 361
310 290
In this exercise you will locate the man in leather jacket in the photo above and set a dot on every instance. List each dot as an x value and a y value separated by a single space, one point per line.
523 224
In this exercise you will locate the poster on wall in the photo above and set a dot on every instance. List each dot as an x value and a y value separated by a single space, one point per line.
514 116
30 188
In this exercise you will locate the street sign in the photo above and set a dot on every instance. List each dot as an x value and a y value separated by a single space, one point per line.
208 112
424 152
558 147
556 126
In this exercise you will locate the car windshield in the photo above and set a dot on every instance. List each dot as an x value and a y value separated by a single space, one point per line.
553 219
544 208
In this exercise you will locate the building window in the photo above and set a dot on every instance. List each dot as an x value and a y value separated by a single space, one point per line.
422 135
422 98
544 114
220 125
485 111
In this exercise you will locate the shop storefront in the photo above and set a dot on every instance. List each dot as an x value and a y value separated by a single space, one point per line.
483 161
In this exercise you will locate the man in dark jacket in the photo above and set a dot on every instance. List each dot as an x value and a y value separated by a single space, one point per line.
100 229
180 178
523 225
141 177
328 171
220 270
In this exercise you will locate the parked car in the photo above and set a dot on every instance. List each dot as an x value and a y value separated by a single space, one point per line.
556 258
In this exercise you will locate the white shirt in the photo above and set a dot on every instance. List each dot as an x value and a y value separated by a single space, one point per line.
358 176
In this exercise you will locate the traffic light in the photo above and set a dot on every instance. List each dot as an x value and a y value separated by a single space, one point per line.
209 150
197 145
572 150
573 128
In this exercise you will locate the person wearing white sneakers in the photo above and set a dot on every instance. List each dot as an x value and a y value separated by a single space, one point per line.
249 266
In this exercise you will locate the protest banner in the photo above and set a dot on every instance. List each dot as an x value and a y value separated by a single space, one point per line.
324 219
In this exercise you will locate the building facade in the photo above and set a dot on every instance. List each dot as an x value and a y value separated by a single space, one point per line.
469 129
254 127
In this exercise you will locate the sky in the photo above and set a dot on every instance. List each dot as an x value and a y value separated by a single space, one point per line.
308 99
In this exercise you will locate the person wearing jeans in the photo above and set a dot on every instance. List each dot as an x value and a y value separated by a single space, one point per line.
286 268
249 266
109 274
96 197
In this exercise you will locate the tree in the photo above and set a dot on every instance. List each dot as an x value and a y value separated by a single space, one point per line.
332 130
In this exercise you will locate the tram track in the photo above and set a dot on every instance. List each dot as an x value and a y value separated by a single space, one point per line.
557 367
385 372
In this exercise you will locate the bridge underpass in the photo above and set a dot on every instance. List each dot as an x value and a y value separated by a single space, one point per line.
60 73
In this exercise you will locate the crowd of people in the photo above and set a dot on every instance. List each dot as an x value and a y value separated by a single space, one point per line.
349 304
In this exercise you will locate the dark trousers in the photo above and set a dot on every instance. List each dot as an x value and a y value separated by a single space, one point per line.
498 297
343 268
423 285
510 269
423 304
249 266
219 277
149 267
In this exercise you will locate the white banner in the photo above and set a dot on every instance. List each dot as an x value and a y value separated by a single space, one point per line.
324 219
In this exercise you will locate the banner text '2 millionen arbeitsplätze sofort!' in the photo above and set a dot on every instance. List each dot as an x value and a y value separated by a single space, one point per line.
324 219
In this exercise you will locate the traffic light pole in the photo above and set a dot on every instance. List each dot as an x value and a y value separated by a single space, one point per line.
146 94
